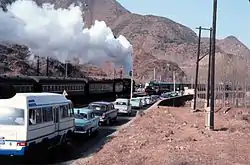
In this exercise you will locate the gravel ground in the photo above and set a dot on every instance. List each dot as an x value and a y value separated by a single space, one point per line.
176 136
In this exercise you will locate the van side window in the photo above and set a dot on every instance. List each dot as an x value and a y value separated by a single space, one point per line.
35 116
32 116
71 110
39 117
47 114
64 111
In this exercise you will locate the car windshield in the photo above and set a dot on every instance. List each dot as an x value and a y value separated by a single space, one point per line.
121 103
81 116
137 100
11 116
97 107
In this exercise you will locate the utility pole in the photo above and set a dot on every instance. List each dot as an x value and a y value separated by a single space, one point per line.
197 68
66 68
47 66
209 68
38 66
114 72
154 74
131 87
174 79
211 116
197 65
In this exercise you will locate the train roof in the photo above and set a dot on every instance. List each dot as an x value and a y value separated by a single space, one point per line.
46 78
38 94
14 78
37 79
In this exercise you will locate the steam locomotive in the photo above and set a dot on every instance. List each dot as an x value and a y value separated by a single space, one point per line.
86 89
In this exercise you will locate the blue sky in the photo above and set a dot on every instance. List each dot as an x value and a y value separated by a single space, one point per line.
233 15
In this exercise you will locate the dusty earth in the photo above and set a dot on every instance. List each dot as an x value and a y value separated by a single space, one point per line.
176 136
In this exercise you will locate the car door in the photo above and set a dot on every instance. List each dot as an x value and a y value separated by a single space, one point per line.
113 110
94 120
91 119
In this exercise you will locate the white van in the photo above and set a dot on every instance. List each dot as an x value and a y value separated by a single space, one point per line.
29 120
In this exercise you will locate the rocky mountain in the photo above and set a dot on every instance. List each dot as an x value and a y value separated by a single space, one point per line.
161 43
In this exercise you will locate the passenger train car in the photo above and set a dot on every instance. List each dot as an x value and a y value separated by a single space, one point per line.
87 89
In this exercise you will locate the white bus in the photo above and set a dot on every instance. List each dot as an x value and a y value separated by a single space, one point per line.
32 120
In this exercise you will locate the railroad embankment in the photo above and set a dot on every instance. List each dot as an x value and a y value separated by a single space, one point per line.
168 135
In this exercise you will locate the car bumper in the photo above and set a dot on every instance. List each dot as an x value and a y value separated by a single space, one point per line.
124 111
80 132
102 120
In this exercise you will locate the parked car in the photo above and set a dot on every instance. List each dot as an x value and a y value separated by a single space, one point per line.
147 100
169 94
143 100
105 110
136 103
123 106
154 98
85 121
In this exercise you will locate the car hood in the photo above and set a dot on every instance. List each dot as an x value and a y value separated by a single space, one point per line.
81 122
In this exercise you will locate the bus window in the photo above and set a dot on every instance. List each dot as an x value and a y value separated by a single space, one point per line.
47 114
64 111
71 110
35 116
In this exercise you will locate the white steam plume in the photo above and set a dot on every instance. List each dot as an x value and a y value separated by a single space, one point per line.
60 33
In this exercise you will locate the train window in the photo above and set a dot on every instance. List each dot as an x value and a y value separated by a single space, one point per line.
29 88
59 87
45 88
47 114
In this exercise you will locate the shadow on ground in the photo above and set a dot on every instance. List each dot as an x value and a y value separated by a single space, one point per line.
77 149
